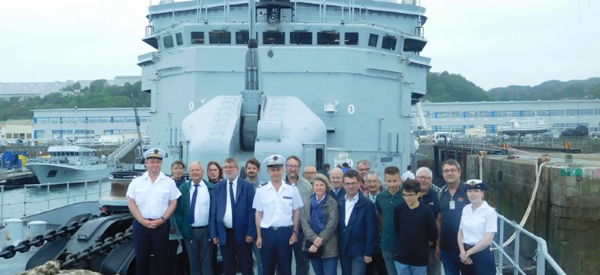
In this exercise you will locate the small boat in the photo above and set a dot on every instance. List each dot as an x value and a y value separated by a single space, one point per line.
524 127
69 164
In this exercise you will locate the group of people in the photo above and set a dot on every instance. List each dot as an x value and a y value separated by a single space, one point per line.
401 226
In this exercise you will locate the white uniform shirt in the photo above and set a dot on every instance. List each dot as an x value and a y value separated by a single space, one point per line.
408 175
152 199
202 211
474 225
350 203
277 207
228 218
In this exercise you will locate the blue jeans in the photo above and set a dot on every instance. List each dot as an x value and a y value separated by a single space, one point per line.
404 269
353 265
451 263
327 266
388 258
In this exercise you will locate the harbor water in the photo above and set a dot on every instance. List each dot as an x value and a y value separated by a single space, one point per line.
31 199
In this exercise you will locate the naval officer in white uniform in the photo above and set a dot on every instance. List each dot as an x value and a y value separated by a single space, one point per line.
152 199
277 219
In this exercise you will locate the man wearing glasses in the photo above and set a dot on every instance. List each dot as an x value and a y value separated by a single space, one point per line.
358 227
452 199
292 168
363 167
429 197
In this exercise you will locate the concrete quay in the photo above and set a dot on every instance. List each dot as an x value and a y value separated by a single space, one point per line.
566 210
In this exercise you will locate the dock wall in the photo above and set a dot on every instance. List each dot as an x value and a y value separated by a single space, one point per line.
566 211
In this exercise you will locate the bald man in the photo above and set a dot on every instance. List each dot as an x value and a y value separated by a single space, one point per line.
336 179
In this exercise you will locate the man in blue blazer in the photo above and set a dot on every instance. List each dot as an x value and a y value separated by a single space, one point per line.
232 224
358 227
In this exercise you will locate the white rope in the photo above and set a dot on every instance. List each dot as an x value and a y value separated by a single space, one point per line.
538 172
481 167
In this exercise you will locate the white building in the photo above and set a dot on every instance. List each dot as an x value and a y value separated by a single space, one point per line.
88 123
459 116
12 130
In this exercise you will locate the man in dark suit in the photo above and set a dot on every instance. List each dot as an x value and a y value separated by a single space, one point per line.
232 224
337 185
358 227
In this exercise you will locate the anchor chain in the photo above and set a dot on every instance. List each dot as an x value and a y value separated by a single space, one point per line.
23 246
103 247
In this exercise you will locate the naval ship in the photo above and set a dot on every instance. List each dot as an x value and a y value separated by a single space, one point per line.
69 164
331 81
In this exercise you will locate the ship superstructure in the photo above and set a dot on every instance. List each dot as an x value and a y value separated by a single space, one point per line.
342 74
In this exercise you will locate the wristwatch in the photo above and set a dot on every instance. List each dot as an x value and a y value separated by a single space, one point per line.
163 219
296 232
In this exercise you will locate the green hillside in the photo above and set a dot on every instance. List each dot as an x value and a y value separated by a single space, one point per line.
98 95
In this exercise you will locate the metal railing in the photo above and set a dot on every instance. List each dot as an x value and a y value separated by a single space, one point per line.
542 255
56 195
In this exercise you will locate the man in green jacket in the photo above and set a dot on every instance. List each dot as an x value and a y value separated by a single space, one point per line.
192 215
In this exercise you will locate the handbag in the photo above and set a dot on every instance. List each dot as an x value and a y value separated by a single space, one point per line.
310 255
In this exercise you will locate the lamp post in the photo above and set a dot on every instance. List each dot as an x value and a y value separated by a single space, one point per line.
74 123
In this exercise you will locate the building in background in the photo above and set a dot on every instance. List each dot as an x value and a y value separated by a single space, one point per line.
459 117
88 123
18 130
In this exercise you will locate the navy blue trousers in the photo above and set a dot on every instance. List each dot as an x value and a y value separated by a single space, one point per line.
276 250
151 241
483 264
233 253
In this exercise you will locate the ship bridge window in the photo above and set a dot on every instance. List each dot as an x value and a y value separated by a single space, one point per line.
301 38
272 38
413 44
179 38
219 37
373 40
351 38
242 37
389 43
168 41
328 38
197 37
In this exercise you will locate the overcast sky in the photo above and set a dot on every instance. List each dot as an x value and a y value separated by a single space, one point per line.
493 43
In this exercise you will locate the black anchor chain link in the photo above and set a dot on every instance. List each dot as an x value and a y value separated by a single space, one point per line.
99 247
23 246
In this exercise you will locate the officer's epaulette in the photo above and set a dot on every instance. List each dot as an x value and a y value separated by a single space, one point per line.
262 184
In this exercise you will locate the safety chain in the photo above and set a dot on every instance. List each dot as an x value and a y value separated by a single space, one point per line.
98 247
23 246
